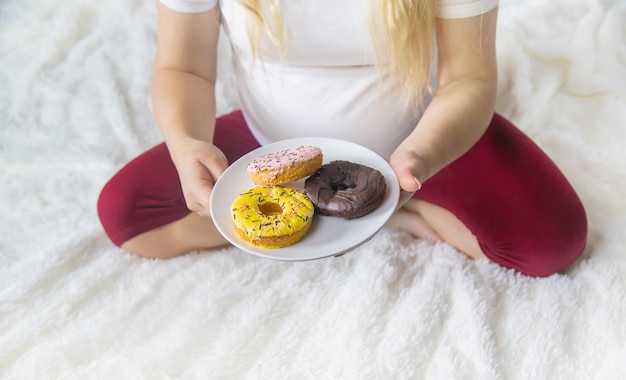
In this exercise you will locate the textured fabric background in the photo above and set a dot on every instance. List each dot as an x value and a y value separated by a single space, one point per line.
74 107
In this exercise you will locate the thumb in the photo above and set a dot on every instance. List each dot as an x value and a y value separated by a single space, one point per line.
408 180
410 170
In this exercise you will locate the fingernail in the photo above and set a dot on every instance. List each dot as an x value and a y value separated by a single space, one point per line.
419 184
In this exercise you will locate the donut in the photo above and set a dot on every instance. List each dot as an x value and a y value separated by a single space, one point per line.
272 216
285 166
346 189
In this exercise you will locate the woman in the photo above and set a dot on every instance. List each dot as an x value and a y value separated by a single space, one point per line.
413 80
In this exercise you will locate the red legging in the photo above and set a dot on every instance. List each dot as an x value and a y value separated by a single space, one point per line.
523 211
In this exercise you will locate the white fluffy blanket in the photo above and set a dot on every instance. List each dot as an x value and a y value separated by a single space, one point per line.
74 107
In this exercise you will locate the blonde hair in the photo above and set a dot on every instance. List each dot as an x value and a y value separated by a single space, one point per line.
407 40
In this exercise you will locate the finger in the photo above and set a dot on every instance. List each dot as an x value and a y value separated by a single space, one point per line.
197 207
198 196
203 198
409 170
408 180
215 165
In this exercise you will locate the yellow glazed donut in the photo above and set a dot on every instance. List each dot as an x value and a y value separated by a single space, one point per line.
272 216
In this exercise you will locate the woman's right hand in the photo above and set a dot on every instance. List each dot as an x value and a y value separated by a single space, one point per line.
199 164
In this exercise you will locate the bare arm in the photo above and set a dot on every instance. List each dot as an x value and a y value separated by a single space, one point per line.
463 104
183 97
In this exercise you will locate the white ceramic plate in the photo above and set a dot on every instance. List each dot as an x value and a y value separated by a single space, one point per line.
328 235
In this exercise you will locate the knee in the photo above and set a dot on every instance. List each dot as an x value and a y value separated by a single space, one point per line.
136 224
129 206
548 262
564 243
113 211
123 211
543 253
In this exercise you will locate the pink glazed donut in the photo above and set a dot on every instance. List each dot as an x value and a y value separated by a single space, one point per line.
285 165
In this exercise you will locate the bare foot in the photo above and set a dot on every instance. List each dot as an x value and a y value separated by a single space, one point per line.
414 224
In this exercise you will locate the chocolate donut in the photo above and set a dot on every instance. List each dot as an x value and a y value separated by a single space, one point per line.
346 189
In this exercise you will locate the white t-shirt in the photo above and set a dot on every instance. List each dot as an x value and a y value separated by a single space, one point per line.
327 83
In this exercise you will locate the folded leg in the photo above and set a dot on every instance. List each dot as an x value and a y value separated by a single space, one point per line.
146 195
516 202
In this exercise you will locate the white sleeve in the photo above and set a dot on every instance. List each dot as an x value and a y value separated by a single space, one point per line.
464 8
190 6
